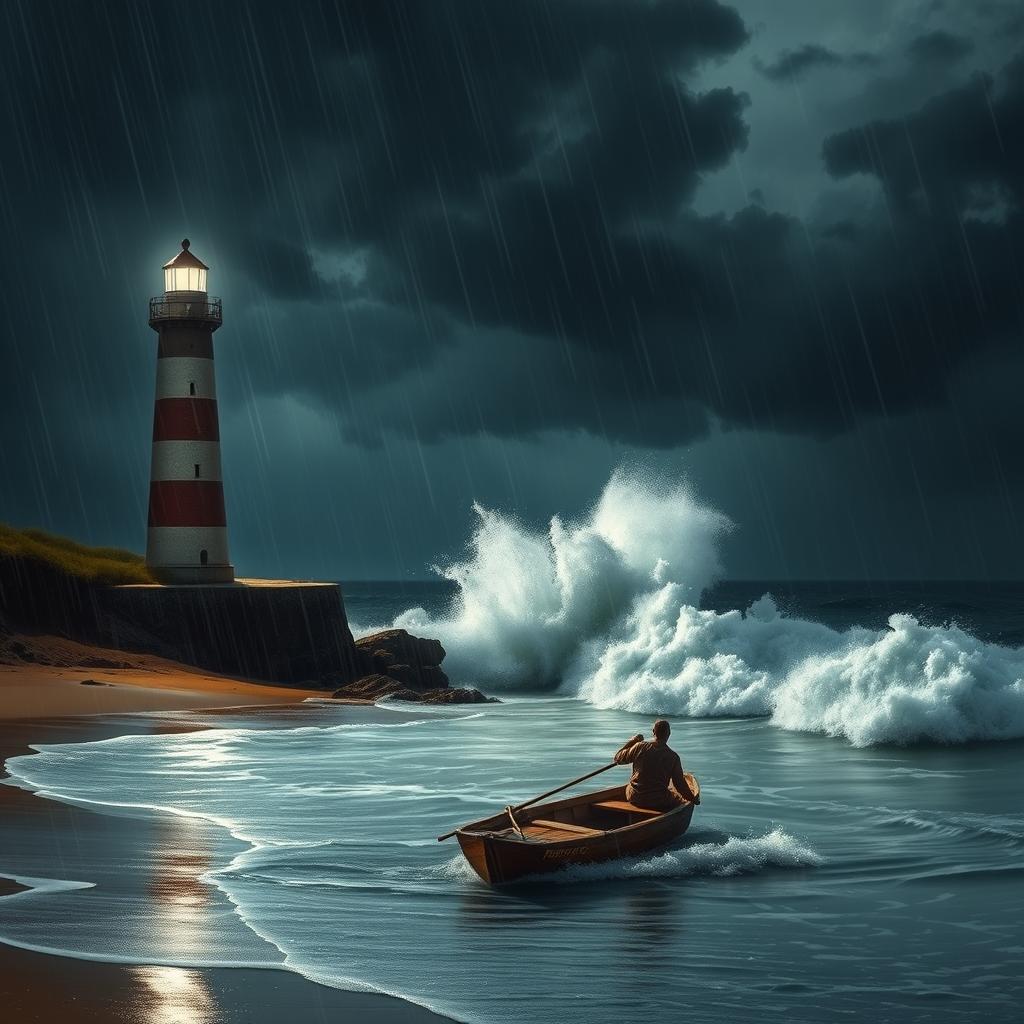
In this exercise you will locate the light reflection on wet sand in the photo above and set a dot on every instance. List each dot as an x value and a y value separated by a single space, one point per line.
180 912
173 995
182 915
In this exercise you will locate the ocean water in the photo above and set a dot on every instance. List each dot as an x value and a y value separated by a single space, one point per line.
858 855
818 881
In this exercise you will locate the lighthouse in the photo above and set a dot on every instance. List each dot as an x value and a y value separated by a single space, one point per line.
187 541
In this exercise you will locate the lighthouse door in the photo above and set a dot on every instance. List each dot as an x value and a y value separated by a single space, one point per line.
204 557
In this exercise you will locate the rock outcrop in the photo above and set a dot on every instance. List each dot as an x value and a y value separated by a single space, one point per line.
400 666
456 695
411 660
377 687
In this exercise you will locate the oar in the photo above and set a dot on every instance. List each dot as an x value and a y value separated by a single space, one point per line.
550 792
515 824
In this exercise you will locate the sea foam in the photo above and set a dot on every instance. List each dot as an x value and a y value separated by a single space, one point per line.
607 608
737 855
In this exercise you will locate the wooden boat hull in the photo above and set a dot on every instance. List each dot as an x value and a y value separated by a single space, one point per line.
499 855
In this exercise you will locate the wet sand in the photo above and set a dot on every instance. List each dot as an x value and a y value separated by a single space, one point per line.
34 987
46 691
46 704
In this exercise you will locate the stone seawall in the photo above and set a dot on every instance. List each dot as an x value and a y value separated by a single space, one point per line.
263 629
45 599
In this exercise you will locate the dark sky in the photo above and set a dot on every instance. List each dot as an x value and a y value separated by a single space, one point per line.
490 251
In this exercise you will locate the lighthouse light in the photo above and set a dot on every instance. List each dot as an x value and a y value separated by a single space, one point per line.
184 279
186 272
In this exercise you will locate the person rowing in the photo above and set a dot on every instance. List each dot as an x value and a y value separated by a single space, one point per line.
541 835
657 782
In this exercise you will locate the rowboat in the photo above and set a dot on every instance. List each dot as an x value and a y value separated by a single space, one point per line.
585 829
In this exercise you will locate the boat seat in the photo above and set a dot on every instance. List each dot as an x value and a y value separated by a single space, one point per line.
566 827
627 808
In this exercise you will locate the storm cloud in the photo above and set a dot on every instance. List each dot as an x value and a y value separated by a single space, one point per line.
792 64
452 222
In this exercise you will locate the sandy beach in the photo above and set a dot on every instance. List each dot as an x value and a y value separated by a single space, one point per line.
63 703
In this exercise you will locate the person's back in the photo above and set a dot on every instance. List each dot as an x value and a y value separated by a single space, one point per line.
658 781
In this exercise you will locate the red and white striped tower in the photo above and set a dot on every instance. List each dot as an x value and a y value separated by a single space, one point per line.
188 534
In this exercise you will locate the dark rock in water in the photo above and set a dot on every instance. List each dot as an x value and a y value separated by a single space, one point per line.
377 686
93 682
371 687
433 678
428 677
454 695
410 659
409 696
400 666
403 673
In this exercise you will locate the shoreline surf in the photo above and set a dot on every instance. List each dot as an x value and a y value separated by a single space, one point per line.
870 840
90 987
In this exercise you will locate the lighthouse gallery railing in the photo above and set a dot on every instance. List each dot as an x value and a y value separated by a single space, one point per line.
163 308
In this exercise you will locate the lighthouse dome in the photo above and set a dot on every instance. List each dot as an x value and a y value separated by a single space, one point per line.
186 272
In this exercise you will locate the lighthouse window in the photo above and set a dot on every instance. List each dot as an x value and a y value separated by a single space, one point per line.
191 387
204 558
197 470
184 279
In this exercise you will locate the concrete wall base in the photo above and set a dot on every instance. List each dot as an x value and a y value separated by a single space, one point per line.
273 630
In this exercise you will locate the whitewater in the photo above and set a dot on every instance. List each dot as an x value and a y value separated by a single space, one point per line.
608 609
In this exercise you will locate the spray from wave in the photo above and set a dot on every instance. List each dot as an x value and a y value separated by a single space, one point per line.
530 602
737 855
607 609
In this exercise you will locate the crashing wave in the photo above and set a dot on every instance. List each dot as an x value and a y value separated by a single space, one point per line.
607 609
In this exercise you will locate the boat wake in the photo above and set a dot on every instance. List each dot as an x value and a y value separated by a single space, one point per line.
697 858
607 609
736 856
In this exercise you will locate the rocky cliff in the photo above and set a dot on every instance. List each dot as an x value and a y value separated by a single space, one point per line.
278 631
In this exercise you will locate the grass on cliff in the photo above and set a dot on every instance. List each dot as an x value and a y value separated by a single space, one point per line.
91 565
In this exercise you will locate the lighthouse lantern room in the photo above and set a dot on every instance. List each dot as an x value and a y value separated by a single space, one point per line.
186 272
187 540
